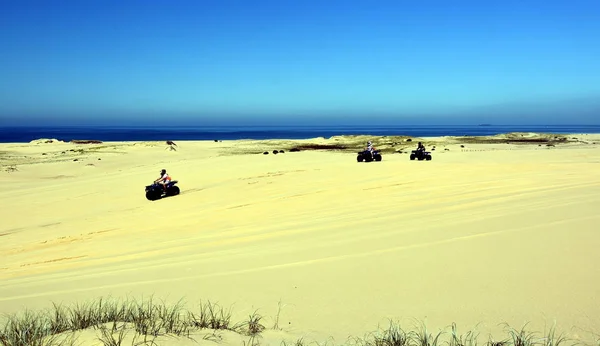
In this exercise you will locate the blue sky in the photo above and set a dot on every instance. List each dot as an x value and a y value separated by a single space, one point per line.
309 61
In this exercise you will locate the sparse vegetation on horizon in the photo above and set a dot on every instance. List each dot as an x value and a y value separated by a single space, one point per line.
396 144
143 322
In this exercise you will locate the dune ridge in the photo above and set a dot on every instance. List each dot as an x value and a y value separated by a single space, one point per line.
494 229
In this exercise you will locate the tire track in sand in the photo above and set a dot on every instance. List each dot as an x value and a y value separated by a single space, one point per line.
298 263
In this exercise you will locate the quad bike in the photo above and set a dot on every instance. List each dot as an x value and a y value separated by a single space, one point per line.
156 191
368 157
420 155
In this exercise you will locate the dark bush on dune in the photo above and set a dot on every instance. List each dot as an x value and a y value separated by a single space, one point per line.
275 151
87 141
528 140
515 139
319 147
266 153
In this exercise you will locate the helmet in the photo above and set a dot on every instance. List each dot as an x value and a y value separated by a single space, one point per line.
369 143
163 171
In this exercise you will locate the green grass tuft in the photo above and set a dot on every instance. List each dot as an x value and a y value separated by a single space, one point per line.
148 319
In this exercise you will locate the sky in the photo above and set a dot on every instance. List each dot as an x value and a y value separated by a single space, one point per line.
299 62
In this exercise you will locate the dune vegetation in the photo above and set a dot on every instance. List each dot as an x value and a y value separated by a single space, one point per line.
144 322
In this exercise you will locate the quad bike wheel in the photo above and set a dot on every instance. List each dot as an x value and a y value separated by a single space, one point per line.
173 191
377 157
359 158
412 156
152 195
428 158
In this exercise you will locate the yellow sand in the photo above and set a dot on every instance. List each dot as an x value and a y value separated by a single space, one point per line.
488 233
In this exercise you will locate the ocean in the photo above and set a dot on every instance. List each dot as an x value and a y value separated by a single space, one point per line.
146 133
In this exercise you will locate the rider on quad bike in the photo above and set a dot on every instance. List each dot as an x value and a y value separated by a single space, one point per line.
370 148
420 147
164 179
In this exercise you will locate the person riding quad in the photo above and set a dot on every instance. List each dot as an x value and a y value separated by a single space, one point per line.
370 148
420 147
164 179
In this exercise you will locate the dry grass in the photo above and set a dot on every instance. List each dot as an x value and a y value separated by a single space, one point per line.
114 320
516 138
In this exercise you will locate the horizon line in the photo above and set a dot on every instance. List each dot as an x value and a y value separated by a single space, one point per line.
289 126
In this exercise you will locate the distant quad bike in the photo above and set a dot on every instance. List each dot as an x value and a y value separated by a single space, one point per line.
420 155
368 157
156 191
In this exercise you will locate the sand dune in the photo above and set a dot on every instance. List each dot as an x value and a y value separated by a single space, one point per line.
492 230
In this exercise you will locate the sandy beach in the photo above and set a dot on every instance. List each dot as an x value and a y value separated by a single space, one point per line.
492 230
